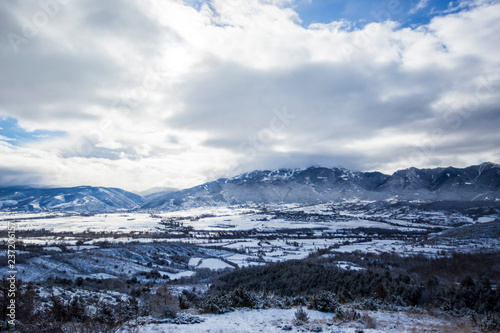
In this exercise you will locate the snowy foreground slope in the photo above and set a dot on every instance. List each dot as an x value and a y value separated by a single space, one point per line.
279 320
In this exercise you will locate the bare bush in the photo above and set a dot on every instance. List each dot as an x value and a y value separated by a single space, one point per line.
369 321
301 316
163 303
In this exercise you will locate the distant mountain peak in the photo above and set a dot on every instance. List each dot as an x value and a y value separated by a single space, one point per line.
324 184
78 199
315 184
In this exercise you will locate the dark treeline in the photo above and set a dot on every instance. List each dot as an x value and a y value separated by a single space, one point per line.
461 285
463 282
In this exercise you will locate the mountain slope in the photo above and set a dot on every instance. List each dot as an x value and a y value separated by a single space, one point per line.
312 185
320 184
478 182
308 186
79 199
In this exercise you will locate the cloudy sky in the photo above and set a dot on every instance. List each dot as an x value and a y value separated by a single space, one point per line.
138 94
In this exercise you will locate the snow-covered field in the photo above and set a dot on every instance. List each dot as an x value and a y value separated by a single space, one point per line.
118 222
251 235
226 218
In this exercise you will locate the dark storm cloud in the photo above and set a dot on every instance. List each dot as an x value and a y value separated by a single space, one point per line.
328 102
10 177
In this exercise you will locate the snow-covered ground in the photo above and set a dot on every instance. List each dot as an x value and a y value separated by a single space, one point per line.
118 222
249 236
277 320
223 218
211 263
126 245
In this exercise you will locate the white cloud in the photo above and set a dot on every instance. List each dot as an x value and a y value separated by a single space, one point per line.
4 138
419 6
160 94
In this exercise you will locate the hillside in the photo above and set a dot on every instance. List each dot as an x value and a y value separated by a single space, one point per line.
314 185
78 199
320 184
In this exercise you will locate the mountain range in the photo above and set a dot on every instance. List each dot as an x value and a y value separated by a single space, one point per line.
77 199
307 186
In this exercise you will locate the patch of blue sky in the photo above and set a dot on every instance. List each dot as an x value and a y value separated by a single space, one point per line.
361 12
11 132
196 4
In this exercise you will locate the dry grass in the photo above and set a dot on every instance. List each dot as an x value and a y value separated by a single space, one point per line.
421 328
368 321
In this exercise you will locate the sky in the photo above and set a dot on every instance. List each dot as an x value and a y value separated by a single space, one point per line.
173 93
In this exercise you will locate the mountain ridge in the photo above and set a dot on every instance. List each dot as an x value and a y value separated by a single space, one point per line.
315 184
78 199
323 184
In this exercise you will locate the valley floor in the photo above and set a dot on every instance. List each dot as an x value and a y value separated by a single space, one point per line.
110 259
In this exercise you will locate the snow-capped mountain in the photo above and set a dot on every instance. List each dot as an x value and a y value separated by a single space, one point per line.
478 182
320 184
78 199
312 185
306 186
